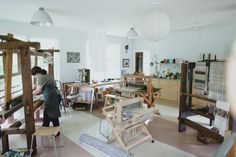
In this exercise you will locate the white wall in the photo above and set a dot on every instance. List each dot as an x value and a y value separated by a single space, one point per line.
69 40
112 61
185 44
189 45
123 54
96 54
97 42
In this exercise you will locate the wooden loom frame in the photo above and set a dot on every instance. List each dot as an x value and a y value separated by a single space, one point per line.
10 44
150 96
185 105
120 127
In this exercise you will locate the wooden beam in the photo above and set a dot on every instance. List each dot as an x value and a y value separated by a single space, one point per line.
191 66
37 114
8 79
199 97
28 96
38 105
199 127
51 65
5 140
51 69
13 131
37 54
207 115
11 111
155 98
48 50
183 98
9 37
18 45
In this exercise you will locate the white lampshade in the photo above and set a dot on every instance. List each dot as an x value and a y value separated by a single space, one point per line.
155 25
41 18
132 34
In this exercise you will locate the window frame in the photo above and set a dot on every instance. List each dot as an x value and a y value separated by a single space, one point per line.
2 76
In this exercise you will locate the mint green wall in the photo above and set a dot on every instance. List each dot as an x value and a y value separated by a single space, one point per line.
189 45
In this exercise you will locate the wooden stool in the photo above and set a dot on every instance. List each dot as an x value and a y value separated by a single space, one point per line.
46 131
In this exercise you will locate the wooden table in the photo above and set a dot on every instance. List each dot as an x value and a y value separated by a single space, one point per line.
105 83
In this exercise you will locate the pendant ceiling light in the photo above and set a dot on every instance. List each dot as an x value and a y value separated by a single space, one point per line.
132 34
41 18
155 25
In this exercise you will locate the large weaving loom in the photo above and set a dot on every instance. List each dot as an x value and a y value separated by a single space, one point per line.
210 119
127 119
139 85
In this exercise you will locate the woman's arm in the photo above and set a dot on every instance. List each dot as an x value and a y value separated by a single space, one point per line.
38 90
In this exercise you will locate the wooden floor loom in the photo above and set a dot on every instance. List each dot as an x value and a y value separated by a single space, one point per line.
127 119
141 86
24 51
188 113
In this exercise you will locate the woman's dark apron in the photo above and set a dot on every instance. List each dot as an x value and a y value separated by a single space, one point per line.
52 101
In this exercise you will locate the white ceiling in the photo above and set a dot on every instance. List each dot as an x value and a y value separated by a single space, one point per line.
117 16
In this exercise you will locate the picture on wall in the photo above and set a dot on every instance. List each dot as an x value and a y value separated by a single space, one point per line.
125 62
73 57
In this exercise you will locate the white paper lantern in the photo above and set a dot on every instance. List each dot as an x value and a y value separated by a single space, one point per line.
155 25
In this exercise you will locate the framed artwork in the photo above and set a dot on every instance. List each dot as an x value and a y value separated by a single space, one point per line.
125 63
73 57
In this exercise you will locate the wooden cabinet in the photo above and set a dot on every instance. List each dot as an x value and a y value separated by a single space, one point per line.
169 88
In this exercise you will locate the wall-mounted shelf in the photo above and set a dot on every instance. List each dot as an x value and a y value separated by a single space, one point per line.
170 63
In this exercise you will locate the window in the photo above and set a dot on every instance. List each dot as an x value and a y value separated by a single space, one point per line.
112 61
16 76
46 43
42 62
16 88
